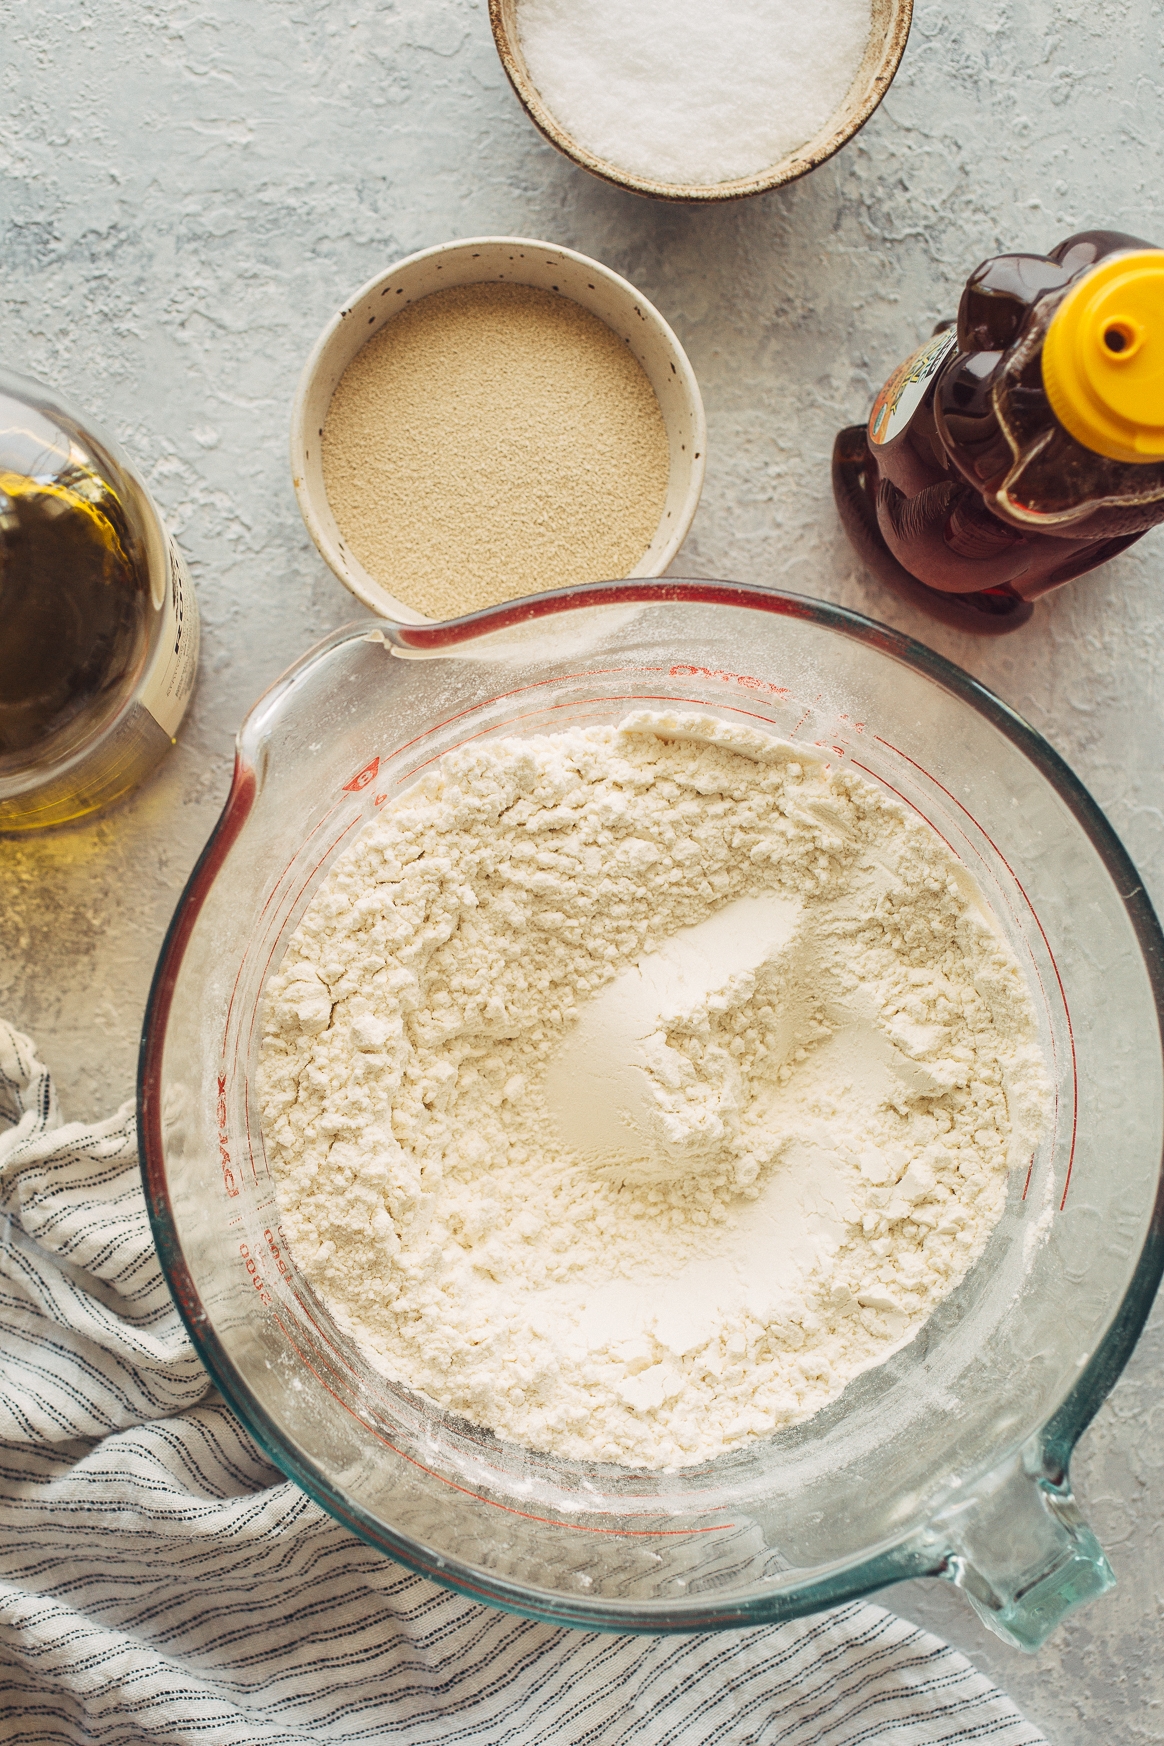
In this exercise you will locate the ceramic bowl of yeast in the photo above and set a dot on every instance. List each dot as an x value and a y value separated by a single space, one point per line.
429 508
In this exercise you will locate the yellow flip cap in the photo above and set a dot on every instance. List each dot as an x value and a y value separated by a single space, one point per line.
1103 358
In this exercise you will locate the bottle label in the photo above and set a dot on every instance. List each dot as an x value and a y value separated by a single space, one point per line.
906 388
169 680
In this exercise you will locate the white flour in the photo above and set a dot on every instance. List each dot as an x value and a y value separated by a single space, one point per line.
628 1090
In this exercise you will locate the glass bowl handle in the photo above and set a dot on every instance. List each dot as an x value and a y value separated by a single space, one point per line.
1022 1554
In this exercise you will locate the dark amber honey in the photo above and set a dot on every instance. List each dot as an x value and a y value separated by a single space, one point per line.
974 500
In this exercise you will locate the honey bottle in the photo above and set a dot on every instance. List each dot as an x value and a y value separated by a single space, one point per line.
98 622
1022 445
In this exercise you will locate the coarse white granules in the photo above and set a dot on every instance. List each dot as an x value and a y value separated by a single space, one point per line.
491 441
833 1066
685 92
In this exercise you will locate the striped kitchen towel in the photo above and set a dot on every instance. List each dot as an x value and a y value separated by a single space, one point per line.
160 1582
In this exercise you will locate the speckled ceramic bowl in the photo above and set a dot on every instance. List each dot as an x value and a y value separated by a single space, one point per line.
517 261
888 32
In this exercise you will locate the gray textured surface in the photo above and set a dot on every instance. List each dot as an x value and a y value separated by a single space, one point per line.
188 191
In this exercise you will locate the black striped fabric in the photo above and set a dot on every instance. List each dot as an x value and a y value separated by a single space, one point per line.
160 1582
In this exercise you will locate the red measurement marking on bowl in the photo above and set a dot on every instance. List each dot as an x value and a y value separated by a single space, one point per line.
1050 955
271 896
362 777
379 799
252 1268
250 1144
808 709
228 1181
295 896
746 679
277 1254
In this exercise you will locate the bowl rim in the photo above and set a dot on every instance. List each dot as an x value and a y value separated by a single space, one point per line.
378 599
913 1552
788 169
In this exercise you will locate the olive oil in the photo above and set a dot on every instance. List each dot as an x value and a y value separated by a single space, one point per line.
98 624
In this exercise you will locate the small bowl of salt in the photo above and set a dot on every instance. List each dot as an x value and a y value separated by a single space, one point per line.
683 100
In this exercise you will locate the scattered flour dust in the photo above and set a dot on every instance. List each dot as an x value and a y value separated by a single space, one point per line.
629 1089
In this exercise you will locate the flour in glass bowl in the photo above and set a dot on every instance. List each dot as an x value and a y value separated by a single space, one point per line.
630 1089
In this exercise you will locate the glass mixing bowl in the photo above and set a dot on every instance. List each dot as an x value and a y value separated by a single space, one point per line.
948 1460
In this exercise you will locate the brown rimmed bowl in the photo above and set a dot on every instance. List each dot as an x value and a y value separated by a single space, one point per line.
888 32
